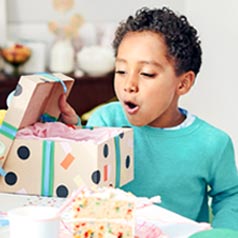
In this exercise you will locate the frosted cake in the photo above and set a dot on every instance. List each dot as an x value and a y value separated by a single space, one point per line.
104 213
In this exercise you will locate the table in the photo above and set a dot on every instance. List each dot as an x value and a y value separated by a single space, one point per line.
173 225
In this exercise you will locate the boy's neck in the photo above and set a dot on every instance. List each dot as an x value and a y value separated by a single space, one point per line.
172 121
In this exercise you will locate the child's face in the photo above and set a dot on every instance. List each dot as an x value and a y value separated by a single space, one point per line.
145 81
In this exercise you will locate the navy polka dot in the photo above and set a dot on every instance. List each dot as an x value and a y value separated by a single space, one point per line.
105 150
18 90
126 126
96 176
128 161
62 191
121 135
10 178
23 152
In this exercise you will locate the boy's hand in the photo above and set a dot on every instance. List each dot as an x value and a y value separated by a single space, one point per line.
68 114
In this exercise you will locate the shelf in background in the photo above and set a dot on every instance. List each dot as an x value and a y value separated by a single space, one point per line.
87 92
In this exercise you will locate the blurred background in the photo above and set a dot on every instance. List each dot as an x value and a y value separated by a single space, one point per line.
41 25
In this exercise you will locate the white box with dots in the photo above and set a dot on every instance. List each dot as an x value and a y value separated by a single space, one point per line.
56 167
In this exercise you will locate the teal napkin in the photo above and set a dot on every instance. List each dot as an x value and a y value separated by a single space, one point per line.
216 233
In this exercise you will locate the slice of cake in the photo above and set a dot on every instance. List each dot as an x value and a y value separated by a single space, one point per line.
104 213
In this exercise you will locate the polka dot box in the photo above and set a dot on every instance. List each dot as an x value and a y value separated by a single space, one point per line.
48 167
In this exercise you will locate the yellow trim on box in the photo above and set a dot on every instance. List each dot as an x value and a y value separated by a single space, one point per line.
2 115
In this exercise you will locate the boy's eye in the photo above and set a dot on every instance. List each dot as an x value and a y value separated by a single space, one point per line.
120 72
148 75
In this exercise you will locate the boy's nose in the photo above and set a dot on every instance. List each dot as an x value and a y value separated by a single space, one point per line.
131 89
131 86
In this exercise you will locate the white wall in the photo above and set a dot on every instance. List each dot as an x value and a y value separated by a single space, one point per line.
3 21
214 95
33 24
93 10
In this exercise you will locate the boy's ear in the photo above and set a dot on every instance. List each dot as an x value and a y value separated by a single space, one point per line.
186 82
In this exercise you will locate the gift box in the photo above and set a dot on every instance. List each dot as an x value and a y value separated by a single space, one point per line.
57 166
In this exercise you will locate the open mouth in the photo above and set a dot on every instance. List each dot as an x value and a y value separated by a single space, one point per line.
131 107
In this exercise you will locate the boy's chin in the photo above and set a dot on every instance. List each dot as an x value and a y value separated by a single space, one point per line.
136 122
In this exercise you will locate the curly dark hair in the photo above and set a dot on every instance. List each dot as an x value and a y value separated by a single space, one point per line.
181 39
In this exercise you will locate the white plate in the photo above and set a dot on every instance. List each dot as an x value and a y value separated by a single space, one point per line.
171 224
181 230
4 232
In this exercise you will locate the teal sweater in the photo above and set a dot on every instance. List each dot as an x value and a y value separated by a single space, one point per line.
180 165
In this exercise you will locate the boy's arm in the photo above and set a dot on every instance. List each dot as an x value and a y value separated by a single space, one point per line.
224 190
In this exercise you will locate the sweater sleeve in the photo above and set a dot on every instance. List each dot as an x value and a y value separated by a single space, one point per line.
224 189
97 119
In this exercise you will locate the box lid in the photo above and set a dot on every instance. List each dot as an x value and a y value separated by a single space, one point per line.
34 96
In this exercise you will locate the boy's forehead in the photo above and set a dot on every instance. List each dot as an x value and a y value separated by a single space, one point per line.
143 33
143 39
142 44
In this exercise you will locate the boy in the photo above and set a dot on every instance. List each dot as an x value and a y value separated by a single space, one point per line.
177 155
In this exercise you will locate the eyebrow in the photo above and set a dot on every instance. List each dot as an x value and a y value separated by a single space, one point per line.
120 60
152 62
148 62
